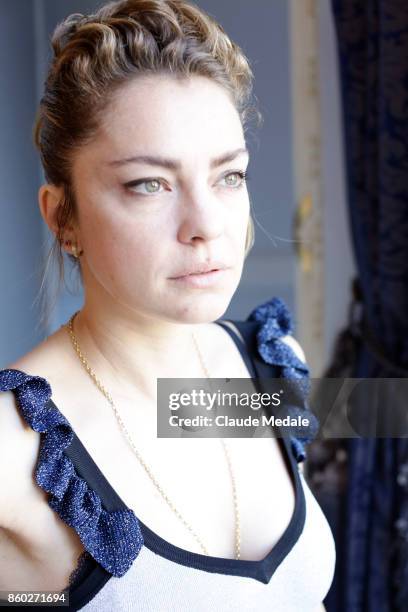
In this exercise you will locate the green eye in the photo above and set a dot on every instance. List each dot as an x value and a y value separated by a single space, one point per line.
232 179
235 179
148 186
152 186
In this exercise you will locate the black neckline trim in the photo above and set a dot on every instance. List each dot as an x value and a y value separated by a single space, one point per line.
83 590
261 570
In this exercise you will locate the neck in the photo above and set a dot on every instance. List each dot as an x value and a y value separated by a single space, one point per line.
133 351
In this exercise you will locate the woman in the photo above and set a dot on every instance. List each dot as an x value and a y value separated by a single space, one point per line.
141 132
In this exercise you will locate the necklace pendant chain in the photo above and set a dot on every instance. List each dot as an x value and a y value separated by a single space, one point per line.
129 439
227 454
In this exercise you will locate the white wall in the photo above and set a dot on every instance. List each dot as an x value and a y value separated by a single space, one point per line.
339 260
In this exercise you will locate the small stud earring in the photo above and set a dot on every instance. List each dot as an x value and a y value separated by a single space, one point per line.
75 251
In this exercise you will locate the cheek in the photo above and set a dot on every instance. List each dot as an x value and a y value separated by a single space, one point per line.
117 248
239 221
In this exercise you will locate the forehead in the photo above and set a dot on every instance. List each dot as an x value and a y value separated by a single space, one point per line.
189 117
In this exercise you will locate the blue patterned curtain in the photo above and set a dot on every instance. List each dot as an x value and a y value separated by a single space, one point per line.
367 504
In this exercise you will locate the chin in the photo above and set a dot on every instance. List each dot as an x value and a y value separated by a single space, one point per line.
203 308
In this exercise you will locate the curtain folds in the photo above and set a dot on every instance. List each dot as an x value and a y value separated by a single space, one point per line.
365 492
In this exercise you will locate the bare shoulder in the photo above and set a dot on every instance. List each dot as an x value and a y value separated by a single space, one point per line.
19 446
39 548
19 443
44 359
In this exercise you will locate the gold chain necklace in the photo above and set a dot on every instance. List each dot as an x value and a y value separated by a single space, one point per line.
132 445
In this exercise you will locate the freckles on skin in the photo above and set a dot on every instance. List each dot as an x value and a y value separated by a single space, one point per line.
120 254
133 243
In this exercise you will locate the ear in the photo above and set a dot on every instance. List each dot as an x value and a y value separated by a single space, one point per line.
49 198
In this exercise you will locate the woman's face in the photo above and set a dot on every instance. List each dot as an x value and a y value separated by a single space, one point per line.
160 193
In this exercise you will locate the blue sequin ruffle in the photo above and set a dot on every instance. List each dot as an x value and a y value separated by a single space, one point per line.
275 323
114 539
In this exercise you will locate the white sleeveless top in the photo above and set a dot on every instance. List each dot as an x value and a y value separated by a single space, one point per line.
299 583
295 575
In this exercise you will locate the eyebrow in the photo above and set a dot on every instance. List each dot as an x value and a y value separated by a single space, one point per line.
173 164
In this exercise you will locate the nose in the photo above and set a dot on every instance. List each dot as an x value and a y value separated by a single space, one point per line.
202 218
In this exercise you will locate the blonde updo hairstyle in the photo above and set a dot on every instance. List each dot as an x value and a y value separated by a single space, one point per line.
95 54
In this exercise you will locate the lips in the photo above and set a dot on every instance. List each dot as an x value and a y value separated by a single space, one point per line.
202 280
201 269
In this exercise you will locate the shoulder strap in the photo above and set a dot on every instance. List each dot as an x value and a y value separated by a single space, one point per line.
246 354
248 331
262 371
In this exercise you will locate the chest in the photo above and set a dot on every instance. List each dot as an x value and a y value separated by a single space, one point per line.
195 476
193 473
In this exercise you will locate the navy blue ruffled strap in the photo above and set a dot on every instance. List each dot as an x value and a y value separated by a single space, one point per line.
274 323
114 539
